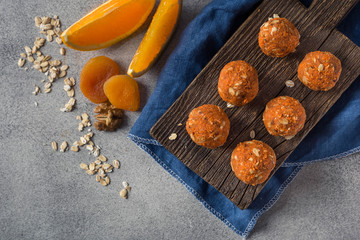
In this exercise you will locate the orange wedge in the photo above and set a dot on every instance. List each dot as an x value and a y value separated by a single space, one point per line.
111 22
161 28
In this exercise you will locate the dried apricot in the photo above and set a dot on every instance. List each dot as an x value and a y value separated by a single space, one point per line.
123 92
93 76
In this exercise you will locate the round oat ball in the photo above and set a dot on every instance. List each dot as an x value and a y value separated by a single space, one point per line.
284 116
208 126
278 37
319 71
238 83
253 161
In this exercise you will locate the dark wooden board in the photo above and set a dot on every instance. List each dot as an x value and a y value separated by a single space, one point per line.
317 28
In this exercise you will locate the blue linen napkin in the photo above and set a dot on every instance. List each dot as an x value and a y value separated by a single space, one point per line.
335 136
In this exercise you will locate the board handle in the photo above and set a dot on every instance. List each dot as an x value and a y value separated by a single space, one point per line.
333 11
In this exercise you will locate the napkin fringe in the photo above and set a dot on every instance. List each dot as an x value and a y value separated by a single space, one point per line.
272 201
140 142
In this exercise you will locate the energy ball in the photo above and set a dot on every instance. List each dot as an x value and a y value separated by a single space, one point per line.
278 37
253 161
319 71
238 83
284 116
208 126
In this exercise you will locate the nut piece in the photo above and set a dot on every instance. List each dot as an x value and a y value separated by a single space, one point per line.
123 193
109 118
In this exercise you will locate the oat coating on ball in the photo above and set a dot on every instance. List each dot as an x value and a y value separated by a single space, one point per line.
238 83
208 126
284 116
278 37
253 161
319 70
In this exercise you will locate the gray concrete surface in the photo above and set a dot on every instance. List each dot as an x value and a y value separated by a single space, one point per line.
44 195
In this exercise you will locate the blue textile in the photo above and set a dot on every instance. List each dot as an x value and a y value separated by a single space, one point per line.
336 134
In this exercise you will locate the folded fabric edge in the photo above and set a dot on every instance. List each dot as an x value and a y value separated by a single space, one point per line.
142 146
276 197
340 155
140 142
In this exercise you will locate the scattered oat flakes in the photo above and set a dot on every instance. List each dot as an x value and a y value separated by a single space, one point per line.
102 158
123 193
69 105
81 127
289 83
47 90
84 166
64 68
173 136
98 178
63 146
252 134
74 148
21 62
54 145
125 184
103 182
49 38
58 40
62 74
116 163
27 50
96 152
67 87
180 124
62 51
107 180
89 147
229 105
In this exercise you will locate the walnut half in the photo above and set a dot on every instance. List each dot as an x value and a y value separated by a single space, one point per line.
108 118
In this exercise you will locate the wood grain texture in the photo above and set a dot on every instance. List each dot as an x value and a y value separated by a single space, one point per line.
316 26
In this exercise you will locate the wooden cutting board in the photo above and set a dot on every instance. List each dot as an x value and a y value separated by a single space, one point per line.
316 25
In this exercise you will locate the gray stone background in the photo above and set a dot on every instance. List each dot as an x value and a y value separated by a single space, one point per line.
45 195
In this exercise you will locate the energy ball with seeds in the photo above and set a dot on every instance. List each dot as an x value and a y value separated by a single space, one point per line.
238 83
319 71
278 37
208 126
284 116
253 161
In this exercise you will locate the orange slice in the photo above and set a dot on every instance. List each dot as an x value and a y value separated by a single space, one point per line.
161 28
111 22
